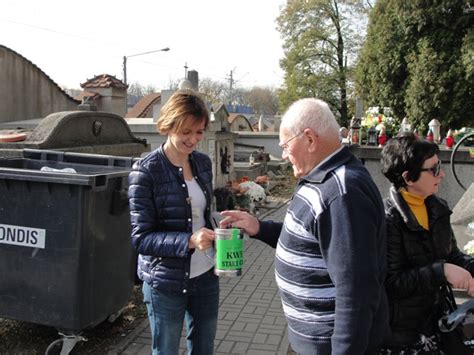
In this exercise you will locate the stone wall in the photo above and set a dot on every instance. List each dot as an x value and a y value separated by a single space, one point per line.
449 190
27 92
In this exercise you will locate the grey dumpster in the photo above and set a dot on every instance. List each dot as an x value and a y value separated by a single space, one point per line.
65 255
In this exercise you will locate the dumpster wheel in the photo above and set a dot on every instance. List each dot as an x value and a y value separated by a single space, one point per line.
68 342
114 316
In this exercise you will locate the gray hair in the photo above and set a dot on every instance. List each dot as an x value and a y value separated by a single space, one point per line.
311 113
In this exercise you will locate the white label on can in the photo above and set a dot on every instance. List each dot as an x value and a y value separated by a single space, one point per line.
22 236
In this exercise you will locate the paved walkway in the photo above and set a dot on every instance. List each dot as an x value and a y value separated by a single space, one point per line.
251 318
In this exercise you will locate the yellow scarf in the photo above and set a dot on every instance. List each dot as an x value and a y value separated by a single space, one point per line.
418 207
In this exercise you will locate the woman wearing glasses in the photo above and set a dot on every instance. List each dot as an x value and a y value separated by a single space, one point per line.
423 259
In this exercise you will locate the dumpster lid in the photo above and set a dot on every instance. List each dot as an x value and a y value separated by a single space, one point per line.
82 169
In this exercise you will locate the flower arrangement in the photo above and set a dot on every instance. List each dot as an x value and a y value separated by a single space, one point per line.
459 134
242 194
254 191
469 248
244 178
377 117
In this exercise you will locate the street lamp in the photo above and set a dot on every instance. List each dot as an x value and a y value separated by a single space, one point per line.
125 57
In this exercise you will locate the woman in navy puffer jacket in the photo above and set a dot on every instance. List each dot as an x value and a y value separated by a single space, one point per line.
170 193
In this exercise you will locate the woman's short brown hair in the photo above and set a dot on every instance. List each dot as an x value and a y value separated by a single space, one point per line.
181 105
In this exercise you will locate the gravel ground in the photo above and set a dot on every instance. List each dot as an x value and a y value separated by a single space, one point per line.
23 338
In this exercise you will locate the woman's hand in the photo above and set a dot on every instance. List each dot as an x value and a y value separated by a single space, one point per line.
238 219
202 239
459 277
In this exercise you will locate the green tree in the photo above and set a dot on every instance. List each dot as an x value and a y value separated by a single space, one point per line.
468 54
416 60
381 71
321 39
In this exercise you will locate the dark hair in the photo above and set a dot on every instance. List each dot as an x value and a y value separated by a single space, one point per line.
406 153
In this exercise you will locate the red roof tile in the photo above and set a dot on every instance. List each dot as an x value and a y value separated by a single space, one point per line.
144 107
104 81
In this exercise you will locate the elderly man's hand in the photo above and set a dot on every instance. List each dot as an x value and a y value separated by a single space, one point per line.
238 219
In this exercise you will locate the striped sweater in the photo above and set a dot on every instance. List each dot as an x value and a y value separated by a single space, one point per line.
330 260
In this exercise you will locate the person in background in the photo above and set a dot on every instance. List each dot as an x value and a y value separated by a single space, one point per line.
422 255
331 248
170 193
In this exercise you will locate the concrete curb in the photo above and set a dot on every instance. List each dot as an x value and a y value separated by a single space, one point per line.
285 345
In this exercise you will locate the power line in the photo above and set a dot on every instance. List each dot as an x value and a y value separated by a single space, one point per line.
36 27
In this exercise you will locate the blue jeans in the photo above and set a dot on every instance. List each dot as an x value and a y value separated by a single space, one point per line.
199 306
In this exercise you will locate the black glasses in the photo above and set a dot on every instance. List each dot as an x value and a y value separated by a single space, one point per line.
435 170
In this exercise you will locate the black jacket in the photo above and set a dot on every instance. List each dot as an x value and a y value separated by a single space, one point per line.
160 211
415 260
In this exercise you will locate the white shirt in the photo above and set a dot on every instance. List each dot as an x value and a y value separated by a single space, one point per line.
200 263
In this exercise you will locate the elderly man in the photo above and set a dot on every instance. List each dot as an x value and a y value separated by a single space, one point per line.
330 250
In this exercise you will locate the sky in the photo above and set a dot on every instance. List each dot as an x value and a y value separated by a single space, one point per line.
72 41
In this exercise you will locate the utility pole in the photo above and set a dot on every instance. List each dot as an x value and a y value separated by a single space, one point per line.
231 82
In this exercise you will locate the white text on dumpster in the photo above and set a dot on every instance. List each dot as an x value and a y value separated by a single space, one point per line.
22 236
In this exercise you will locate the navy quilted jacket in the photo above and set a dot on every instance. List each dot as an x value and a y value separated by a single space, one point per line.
160 212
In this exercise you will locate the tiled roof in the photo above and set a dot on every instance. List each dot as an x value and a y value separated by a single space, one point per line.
144 107
104 81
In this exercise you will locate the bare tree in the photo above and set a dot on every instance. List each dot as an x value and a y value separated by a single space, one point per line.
173 84
139 90
263 100
213 91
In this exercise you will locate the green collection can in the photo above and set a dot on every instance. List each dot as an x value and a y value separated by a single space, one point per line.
229 257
